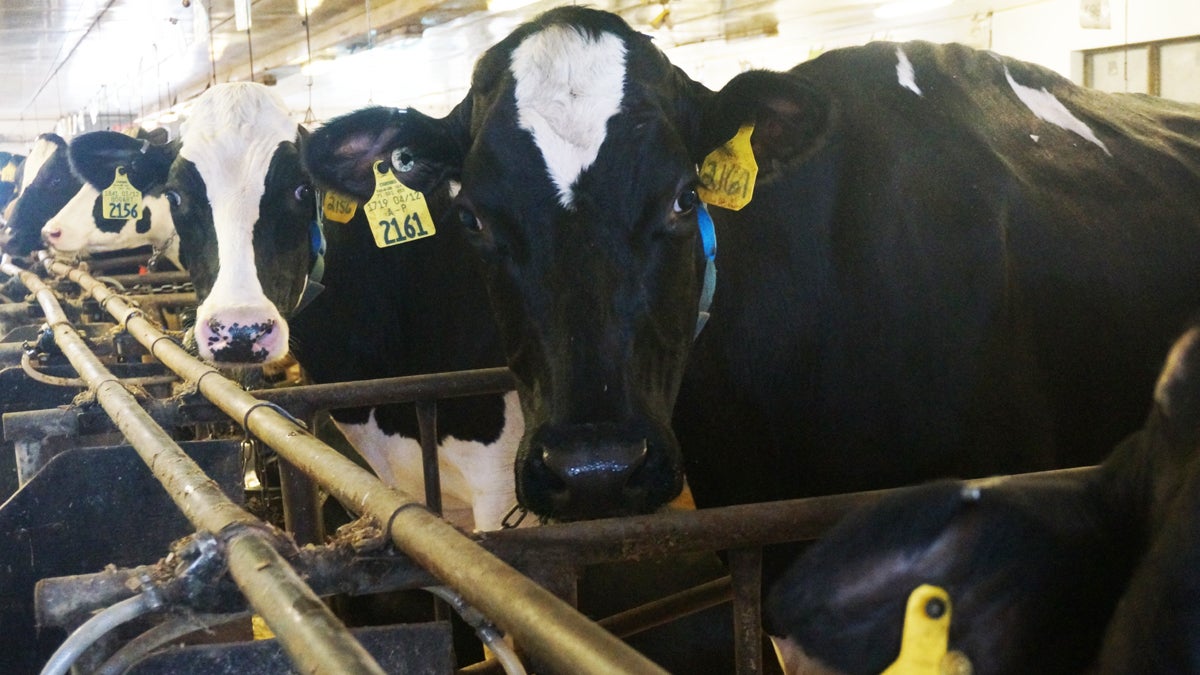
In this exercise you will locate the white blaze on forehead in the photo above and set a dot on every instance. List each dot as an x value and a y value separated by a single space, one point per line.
1046 107
39 154
231 136
905 73
568 86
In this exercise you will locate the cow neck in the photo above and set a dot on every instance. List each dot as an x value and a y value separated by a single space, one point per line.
708 239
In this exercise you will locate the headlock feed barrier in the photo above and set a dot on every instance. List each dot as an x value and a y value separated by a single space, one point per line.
235 563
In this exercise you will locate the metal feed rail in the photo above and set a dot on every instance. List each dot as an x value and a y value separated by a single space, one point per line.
546 627
313 637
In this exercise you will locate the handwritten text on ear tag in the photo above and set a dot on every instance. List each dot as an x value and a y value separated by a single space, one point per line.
397 213
727 174
120 200
337 207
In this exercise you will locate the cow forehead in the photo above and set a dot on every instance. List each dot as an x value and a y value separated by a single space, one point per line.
231 137
41 153
567 86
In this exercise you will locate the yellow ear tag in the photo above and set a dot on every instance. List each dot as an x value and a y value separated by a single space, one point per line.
9 173
926 635
338 208
397 213
727 174
121 201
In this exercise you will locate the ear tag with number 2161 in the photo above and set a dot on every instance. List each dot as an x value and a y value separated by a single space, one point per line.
397 214
727 174
120 200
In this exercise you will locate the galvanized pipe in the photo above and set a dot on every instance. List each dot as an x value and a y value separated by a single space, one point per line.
549 629
290 608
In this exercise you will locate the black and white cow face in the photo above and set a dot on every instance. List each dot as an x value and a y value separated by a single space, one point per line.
83 227
575 154
47 185
244 212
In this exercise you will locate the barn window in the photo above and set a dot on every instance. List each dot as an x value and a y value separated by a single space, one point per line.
1168 68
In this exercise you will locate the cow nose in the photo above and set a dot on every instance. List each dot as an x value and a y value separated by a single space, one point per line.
595 475
241 335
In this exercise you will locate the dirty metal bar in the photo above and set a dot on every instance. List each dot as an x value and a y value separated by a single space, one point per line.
314 639
303 400
301 505
427 425
163 299
745 570
666 533
150 279
549 629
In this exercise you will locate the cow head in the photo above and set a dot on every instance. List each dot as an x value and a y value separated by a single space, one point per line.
46 186
244 211
82 225
574 158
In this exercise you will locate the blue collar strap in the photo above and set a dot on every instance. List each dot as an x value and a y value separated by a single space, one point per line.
708 238
312 283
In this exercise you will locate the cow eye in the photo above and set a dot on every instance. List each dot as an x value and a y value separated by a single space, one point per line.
173 197
303 192
686 202
469 220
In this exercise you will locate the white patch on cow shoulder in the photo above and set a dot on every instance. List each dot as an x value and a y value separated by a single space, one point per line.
1048 108
905 73
568 86
231 135
478 486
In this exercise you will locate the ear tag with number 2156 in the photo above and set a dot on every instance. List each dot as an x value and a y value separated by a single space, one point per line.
120 200
397 214
337 207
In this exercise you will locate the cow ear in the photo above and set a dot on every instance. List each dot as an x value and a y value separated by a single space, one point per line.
158 136
1177 394
790 117
95 157
422 150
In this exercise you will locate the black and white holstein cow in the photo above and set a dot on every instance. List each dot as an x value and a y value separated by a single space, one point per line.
1032 567
10 166
246 219
243 209
952 263
82 226
410 309
46 185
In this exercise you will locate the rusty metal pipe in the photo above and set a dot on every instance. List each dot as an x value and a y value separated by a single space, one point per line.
549 629
259 570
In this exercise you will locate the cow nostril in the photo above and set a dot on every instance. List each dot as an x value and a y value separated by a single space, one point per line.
54 234
595 476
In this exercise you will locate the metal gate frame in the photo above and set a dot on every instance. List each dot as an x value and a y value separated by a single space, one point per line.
543 625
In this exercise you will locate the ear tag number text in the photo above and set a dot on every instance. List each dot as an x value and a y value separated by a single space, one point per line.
120 200
338 208
398 214
727 174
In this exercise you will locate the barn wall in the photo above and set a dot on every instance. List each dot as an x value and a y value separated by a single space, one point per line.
1049 32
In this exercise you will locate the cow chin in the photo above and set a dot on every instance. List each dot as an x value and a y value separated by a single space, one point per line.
587 471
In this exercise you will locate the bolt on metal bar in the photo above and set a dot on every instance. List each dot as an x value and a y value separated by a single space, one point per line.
547 628
312 636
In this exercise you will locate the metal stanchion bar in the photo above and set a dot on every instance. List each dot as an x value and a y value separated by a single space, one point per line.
312 397
312 636
427 424
549 629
